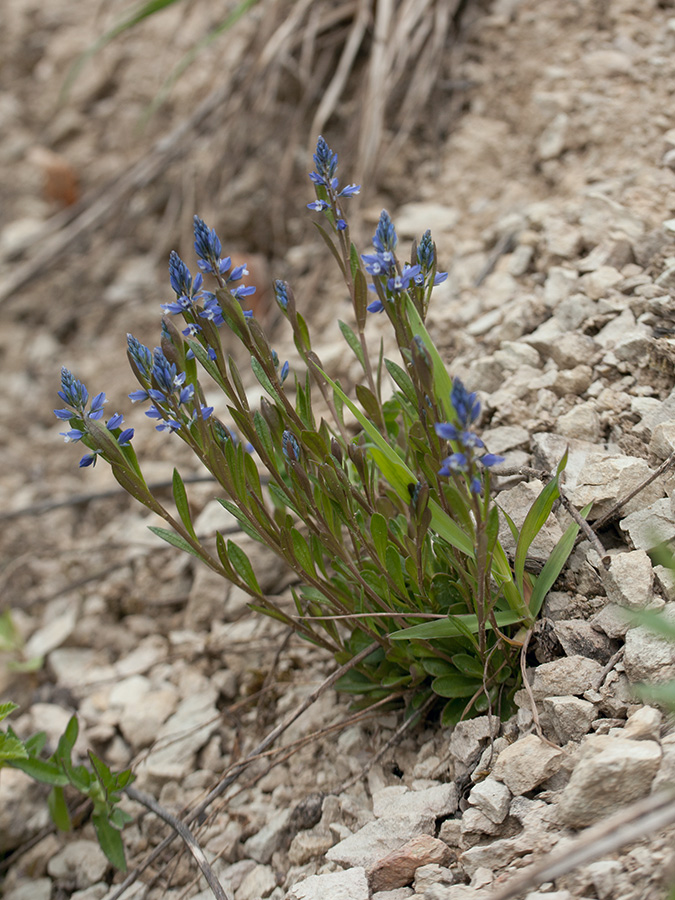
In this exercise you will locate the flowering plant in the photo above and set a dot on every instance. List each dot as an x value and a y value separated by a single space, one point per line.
383 507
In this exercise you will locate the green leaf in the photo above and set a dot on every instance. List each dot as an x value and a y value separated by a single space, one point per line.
353 342
534 522
442 380
402 380
263 432
43 771
455 686
379 534
368 401
242 566
181 501
302 552
111 841
260 374
452 627
246 526
360 298
554 564
174 539
11 747
468 665
7 709
58 810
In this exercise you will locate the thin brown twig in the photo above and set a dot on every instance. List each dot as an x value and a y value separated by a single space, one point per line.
585 528
187 836
238 768
530 694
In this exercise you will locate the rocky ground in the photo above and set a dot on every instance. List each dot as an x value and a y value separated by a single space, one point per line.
552 202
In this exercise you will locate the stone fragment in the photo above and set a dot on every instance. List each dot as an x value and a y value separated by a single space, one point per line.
574 381
629 579
649 526
524 765
553 140
81 862
376 839
580 638
492 798
308 845
438 800
571 717
181 737
467 738
428 876
605 479
398 894
259 883
644 724
53 634
498 854
351 884
648 656
582 422
571 675
611 773
573 349
265 842
35 889
505 437
398 868
662 442
606 875
599 63
476 822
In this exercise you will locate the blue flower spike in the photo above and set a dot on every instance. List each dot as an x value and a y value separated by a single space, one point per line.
327 185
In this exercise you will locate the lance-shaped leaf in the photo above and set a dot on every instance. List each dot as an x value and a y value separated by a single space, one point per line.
181 501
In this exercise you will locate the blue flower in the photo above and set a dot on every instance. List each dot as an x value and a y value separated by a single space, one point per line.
349 190
243 291
165 375
385 235
139 396
290 446
73 392
283 374
318 205
124 438
465 404
378 264
375 307
476 486
400 282
207 246
281 293
456 462
141 355
73 435
89 459
491 459
325 162
446 430
114 421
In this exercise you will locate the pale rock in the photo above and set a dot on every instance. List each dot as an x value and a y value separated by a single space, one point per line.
665 578
573 349
53 719
133 278
52 634
571 717
605 479
573 311
656 412
635 350
138 891
487 759
455 892
574 381
580 637
23 811
484 374
265 842
468 736
181 737
308 845
398 868
521 260
476 822
398 894
151 651
96 892
208 599
439 800
648 656
600 63
259 883
505 437
629 579
618 329
214 517
616 695
413 219
644 724
498 854
543 337
492 798
526 764
560 283
603 217
549 895
665 777
514 354
553 140
517 503
376 839
571 675
651 525
581 422
451 832
562 239
35 889
606 875
81 862
142 718
427 876
597 283
662 442
78 667
351 884
611 773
